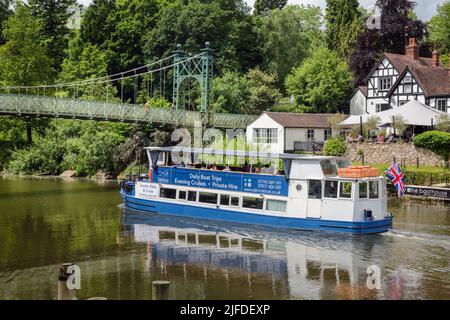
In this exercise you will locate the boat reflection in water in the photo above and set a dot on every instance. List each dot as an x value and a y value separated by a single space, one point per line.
286 265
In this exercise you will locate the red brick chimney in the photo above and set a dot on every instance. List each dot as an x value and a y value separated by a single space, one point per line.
435 59
412 50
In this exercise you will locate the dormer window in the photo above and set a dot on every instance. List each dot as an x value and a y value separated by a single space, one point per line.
385 83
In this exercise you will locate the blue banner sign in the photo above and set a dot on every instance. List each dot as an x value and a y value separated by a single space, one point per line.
222 180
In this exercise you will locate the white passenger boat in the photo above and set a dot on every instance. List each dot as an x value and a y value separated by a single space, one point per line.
309 194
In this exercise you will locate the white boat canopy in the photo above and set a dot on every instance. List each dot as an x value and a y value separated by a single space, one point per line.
414 113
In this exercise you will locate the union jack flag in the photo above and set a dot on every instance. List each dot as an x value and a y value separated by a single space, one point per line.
397 178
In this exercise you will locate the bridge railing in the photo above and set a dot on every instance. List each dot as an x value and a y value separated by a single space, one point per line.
60 107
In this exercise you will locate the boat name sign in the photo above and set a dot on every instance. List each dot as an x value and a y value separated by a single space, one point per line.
146 190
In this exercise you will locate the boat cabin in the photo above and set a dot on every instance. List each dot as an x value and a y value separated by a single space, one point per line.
288 185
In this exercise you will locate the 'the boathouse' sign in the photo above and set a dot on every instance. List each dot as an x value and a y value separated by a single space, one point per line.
428 192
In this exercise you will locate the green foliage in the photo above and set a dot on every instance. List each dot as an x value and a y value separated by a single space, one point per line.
335 147
322 83
250 94
231 93
23 59
436 141
343 24
264 91
263 6
54 16
226 24
289 36
440 28
86 147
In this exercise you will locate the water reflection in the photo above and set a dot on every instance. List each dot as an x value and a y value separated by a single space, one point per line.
302 265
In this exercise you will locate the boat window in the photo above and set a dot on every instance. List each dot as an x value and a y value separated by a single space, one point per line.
182 195
331 189
363 190
207 197
315 189
252 203
234 201
329 167
276 205
168 193
345 190
373 189
224 199
192 196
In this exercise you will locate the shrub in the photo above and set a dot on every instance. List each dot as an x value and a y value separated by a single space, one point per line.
335 147
436 141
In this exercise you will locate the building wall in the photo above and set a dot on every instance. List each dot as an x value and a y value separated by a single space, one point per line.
300 134
358 104
265 122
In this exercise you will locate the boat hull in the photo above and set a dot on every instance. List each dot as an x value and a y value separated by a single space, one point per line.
189 211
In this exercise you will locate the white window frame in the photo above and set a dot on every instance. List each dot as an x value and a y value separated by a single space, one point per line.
308 135
385 83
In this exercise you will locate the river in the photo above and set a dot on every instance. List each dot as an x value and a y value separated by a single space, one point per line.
46 222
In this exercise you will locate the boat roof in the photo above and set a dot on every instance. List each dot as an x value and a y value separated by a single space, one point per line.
242 153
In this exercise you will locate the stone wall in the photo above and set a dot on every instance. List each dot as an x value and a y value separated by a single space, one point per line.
375 153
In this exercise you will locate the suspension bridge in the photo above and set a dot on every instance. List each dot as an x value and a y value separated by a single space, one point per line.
116 97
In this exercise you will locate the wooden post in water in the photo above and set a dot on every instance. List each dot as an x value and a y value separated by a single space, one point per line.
64 293
160 290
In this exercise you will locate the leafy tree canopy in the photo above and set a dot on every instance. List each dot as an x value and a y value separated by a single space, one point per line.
54 16
322 83
23 58
289 36
440 28
263 6
227 25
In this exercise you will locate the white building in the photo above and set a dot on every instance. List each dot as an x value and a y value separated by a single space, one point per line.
396 79
281 132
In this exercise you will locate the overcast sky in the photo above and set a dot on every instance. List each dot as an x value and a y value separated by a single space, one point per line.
425 8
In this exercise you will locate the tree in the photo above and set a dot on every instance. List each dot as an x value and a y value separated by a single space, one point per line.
96 28
53 15
5 12
343 22
264 91
129 22
288 37
88 63
399 124
231 93
227 25
396 25
322 83
372 123
443 122
23 59
263 6
440 28
335 147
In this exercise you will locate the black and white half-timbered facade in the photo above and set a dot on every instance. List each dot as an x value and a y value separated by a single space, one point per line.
397 79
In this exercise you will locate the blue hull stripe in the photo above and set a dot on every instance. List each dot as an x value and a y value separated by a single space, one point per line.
183 210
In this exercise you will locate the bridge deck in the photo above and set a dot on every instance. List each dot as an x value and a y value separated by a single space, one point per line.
56 107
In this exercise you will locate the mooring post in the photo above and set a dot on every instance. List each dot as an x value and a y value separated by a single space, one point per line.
160 290
64 293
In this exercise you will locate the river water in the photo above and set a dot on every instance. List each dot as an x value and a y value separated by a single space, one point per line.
46 222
